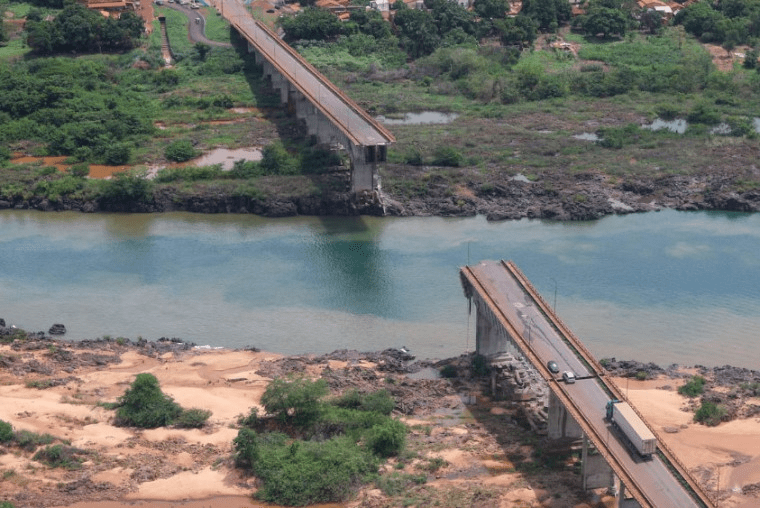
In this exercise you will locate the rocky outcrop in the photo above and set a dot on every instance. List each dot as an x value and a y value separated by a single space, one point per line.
561 197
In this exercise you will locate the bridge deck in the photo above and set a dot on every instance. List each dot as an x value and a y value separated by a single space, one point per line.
361 128
541 336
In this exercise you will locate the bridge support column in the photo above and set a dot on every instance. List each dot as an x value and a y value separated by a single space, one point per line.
561 424
622 502
595 471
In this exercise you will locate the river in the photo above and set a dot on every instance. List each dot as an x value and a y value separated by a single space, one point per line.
668 287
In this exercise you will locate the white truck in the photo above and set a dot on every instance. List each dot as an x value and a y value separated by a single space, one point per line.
638 434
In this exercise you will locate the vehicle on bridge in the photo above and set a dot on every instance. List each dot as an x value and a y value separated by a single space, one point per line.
622 416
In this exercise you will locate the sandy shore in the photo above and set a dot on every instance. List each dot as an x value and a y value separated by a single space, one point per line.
484 449
729 453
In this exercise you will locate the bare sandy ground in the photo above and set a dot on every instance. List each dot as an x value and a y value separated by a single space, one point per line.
728 453
480 446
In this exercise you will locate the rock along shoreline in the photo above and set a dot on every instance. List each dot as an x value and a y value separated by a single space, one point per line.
583 196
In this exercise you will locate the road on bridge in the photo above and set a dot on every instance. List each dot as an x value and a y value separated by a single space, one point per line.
652 477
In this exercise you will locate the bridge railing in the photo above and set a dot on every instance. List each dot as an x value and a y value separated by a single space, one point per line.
355 123
620 470
611 386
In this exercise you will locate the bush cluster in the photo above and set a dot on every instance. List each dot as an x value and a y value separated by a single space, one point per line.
144 405
693 388
60 455
342 441
710 414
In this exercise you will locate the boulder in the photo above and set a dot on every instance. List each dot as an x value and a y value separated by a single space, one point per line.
57 329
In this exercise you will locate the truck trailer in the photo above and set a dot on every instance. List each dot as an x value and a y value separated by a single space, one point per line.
638 434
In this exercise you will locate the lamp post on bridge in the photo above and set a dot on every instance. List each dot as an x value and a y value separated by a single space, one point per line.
555 294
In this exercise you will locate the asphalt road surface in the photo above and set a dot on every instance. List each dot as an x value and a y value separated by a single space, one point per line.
652 476
196 30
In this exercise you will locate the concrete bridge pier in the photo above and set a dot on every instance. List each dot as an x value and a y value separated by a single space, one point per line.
364 159
620 499
561 425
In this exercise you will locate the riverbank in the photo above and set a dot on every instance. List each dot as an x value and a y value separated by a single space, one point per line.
465 192
482 453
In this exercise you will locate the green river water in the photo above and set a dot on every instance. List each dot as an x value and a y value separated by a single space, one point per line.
668 287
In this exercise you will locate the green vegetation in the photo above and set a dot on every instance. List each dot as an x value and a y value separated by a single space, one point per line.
180 150
693 388
192 418
448 371
144 405
6 431
29 441
81 30
335 445
60 455
710 414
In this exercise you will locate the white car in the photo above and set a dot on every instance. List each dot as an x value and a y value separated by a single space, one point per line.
569 377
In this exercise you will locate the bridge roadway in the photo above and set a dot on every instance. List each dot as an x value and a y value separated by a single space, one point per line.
367 136
542 337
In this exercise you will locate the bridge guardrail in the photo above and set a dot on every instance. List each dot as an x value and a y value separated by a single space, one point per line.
331 101
667 451
620 470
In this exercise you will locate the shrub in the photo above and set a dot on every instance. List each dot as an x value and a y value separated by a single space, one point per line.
6 431
447 156
193 418
80 170
379 401
295 400
703 113
144 405
304 473
448 371
710 414
387 439
127 187
60 456
642 375
31 440
6 504
695 387
480 366
396 483
180 150
118 153
275 160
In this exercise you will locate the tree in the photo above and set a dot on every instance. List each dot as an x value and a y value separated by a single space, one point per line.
202 49
519 31
651 19
180 150
449 15
417 32
312 24
296 400
144 405
605 21
549 14
698 19
750 58
488 9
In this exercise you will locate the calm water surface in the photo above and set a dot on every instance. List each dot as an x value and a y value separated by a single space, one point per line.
665 287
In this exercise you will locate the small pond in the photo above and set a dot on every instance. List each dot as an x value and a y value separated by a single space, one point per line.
678 125
418 118
225 157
